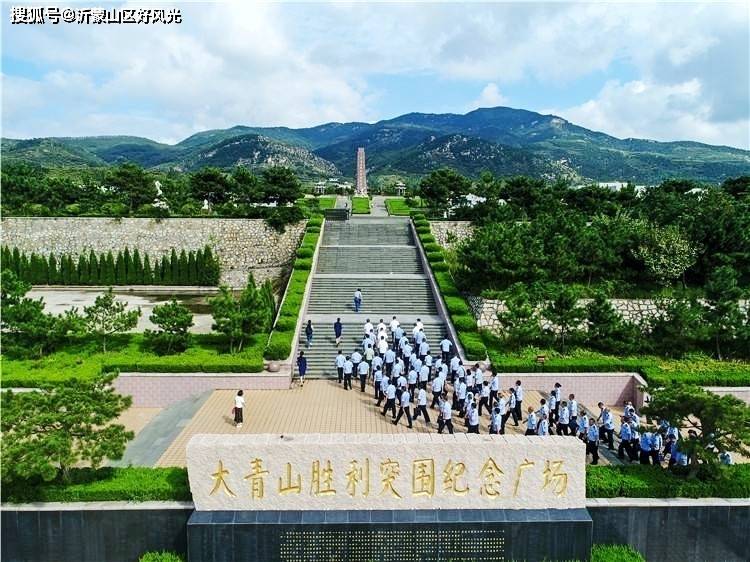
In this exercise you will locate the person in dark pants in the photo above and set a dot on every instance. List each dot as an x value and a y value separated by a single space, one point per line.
519 399
357 300
446 413
363 369
404 408
302 367
348 370
308 334
390 400
484 399
626 435
592 441
340 361
338 330
422 406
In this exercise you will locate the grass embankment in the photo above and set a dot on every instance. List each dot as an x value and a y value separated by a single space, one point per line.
147 484
84 360
398 206
285 330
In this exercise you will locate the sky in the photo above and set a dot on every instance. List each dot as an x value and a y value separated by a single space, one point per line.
664 71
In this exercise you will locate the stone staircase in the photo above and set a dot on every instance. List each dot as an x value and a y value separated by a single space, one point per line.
379 257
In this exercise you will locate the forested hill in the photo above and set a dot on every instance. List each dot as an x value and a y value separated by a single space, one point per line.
502 140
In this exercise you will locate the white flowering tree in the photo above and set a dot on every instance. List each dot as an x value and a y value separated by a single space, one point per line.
666 253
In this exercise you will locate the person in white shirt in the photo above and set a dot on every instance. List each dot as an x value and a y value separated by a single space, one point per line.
382 345
552 404
428 362
384 383
381 328
377 363
404 408
563 422
444 419
478 378
239 406
504 411
543 426
424 376
512 405
494 388
390 400
363 370
454 363
473 418
484 398
496 421
437 391
460 394
348 370
445 348
530 422
356 358
419 337
398 368
390 359
573 411
357 300
470 383
394 324
368 327
340 360
422 406
412 380
424 349
417 326
519 399
377 380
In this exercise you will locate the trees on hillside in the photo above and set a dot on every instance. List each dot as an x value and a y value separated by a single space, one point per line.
444 189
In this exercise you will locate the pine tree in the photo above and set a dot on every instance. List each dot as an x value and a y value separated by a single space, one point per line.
64 270
17 263
138 268
54 273
200 265
83 270
43 270
93 269
7 258
148 275
121 273
73 270
182 266
174 266
166 271
211 271
192 271
34 269
129 269
107 270
24 269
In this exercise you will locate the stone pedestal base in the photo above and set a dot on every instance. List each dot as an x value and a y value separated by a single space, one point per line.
397 535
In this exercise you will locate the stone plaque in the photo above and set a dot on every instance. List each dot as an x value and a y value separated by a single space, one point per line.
361 471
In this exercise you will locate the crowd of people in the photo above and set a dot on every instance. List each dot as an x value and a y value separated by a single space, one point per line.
411 380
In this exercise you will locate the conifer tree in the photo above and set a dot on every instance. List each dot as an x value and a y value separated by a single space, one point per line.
166 271
192 272
182 266
83 270
17 262
211 271
129 269
6 258
200 264
94 278
148 275
52 272
64 270
174 265
121 273
137 268
107 270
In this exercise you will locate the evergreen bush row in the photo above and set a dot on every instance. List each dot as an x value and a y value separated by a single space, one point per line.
459 311
126 268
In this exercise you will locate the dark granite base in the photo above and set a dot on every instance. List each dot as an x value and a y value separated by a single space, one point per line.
409 535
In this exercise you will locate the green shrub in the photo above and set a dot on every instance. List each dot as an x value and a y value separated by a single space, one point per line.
615 553
456 305
313 229
291 305
310 239
279 345
303 264
423 230
648 481
473 346
446 284
441 266
435 257
417 215
285 324
315 220
163 556
105 484
464 322
427 238
432 248
305 252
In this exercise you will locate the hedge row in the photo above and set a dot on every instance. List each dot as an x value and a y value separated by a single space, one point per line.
280 342
657 371
126 268
459 311
647 481
150 484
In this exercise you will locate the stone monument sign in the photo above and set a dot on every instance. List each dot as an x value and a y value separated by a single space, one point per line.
385 472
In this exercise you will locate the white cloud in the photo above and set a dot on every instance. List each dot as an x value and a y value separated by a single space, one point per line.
303 64
490 96
657 111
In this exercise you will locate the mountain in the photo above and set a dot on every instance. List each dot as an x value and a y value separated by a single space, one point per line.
500 139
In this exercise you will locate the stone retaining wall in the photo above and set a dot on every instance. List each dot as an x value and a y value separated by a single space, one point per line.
636 311
242 245
447 233
159 390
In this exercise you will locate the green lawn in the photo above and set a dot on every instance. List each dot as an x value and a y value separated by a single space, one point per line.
397 206
658 371
361 205
327 202
85 360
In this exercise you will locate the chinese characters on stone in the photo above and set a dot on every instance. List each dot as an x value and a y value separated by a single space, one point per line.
36 15
423 478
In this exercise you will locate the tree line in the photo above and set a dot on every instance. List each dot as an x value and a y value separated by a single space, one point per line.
195 267
530 230
128 190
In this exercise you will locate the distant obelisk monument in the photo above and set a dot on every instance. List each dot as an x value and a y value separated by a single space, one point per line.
361 172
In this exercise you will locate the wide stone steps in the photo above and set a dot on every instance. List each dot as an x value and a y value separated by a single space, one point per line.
381 296
321 356
362 233
374 259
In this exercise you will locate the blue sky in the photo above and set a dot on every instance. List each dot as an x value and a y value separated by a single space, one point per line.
667 71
